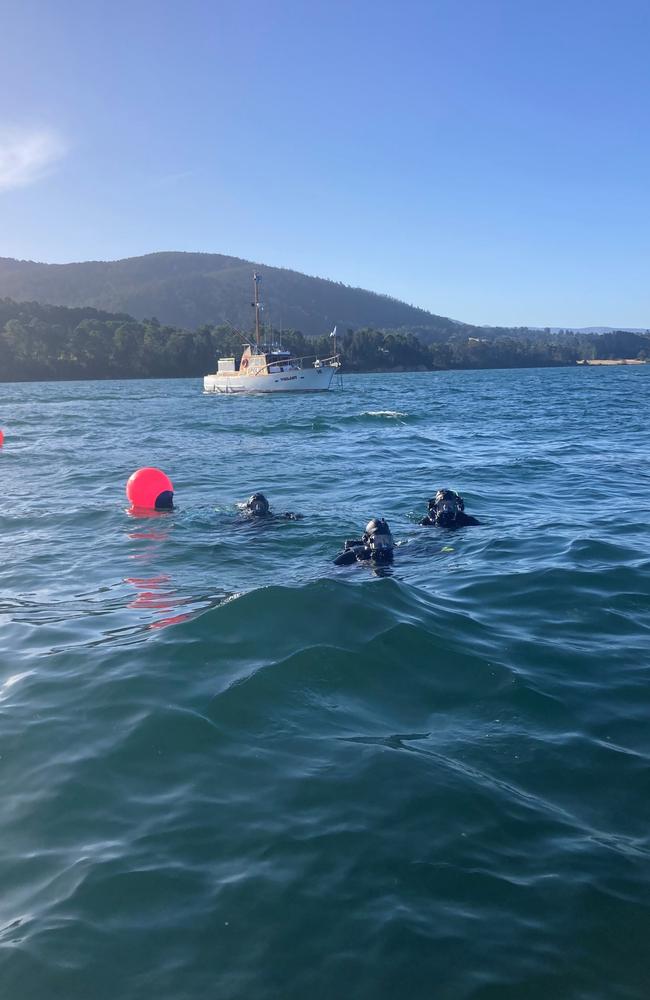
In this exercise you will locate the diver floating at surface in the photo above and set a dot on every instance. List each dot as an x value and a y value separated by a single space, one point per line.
447 510
375 546
257 506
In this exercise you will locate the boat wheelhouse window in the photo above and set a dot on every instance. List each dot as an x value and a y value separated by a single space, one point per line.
277 358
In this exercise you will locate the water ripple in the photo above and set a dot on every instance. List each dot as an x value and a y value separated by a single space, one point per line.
229 768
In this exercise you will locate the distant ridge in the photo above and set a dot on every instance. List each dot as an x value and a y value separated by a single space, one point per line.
598 329
192 289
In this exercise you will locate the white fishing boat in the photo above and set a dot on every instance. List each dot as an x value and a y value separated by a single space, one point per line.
271 368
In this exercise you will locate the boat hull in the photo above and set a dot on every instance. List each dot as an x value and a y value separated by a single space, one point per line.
294 380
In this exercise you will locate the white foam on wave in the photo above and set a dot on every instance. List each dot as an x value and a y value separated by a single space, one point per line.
391 414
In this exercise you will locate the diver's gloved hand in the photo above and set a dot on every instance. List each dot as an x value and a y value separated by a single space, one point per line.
352 543
351 551
346 558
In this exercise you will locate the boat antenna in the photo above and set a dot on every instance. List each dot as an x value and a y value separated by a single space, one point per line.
256 285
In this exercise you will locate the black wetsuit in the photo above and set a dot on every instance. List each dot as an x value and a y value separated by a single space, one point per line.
356 550
461 520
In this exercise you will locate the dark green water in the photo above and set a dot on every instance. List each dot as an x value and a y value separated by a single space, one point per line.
230 769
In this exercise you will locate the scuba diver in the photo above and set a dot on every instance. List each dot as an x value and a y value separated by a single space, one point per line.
447 510
258 506
376 545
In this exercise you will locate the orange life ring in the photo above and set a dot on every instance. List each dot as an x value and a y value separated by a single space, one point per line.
244 363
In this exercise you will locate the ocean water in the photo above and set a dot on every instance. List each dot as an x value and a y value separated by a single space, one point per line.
230 769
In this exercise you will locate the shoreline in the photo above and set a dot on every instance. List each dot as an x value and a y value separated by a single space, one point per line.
584 363
611 361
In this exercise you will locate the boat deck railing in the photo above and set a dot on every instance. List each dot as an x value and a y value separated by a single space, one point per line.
334 361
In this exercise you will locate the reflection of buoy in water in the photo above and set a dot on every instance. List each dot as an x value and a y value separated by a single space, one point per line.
2 439
150 488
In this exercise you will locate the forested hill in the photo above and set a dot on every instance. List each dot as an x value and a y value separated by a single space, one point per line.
191 289
53 342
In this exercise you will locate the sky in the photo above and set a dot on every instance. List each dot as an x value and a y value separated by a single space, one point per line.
488 160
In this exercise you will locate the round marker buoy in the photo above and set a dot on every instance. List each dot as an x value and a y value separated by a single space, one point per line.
2 439
150 489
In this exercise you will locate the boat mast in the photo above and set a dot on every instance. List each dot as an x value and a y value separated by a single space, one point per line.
256 282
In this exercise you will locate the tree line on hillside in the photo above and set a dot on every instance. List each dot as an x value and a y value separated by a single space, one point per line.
56 342
187 290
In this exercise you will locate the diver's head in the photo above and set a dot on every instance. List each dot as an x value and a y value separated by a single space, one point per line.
257 505
445 508
379 540
165 500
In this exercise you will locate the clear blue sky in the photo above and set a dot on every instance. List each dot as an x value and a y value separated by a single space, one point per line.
488 160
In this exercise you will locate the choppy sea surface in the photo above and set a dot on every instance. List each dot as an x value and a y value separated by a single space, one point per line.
230 769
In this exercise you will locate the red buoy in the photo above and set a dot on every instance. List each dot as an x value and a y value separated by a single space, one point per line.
150 488
2 439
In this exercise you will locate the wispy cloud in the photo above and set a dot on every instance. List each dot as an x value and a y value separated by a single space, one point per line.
26 155
166 180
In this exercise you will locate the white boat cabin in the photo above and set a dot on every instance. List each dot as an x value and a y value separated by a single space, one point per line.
263 361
